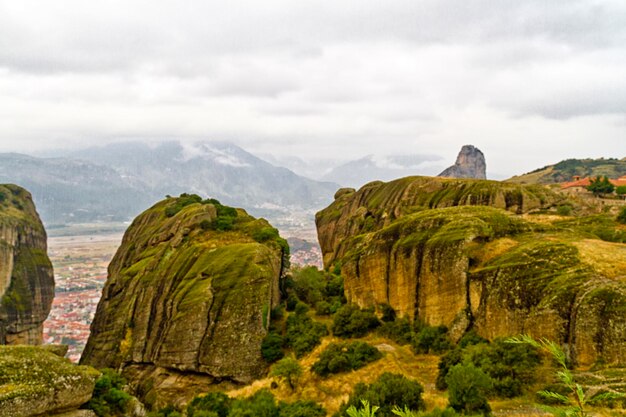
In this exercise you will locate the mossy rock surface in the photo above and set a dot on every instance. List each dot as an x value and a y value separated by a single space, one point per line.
36 381
184 296
26 276
472 254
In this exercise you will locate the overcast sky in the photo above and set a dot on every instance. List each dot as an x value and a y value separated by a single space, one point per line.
528 82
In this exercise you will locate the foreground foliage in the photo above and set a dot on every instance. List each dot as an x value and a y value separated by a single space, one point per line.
388 391
575 402
109 398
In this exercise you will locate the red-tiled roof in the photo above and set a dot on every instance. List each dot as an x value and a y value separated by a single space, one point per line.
585 182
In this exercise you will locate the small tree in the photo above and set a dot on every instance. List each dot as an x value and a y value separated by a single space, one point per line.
621 190
574 405
288 369
600 186
468 387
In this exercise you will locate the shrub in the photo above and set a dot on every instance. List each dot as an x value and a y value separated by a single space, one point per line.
182 201
621 190
260 404
351 321
323 308
271 347
511 367
343 357
564 210
468 387
215 402
288 369
432 339
168 411
302 409
388 313
387 391
621 217
264 234
3 197
399 331
108 397
303 334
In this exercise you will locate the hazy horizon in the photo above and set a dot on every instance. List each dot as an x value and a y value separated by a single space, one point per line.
529 83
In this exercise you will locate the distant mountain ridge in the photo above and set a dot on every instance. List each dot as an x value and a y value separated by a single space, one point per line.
567 169
358 172
115 182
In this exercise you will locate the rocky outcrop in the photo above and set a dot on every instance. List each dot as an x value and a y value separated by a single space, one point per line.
470 163
187 300
35 381
466 254
26 277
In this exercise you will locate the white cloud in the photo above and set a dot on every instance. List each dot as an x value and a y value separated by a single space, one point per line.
528 82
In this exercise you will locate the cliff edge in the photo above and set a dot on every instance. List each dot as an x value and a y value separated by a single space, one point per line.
26 276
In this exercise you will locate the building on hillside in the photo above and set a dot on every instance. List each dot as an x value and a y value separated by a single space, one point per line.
579 185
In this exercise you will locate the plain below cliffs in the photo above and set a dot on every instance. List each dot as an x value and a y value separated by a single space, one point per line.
26 276
470 163
187 301
482 255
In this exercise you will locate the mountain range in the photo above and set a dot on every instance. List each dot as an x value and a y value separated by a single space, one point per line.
116 181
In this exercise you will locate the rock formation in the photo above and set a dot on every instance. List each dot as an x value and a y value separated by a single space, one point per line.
37 381
466 254
187 300
26 277
470 163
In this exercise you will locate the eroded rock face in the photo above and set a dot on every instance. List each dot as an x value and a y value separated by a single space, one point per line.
184 298
470 163
464 254
36 381
26 276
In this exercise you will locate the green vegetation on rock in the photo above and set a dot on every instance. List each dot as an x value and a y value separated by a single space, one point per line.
188 295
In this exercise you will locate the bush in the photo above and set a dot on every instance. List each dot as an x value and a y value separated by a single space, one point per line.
564 210
260 404
400 331
3 197
432 339
387 391
271 347
215 402
318 288
288 369
182 201
621 217
301 409
168 411
303 334
510 366
343 357
264 234
108 397
351 321
621 190
468 387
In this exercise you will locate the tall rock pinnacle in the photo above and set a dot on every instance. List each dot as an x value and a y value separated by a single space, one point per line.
469 164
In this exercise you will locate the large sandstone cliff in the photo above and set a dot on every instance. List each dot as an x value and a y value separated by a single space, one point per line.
187 300
26 277
467 254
